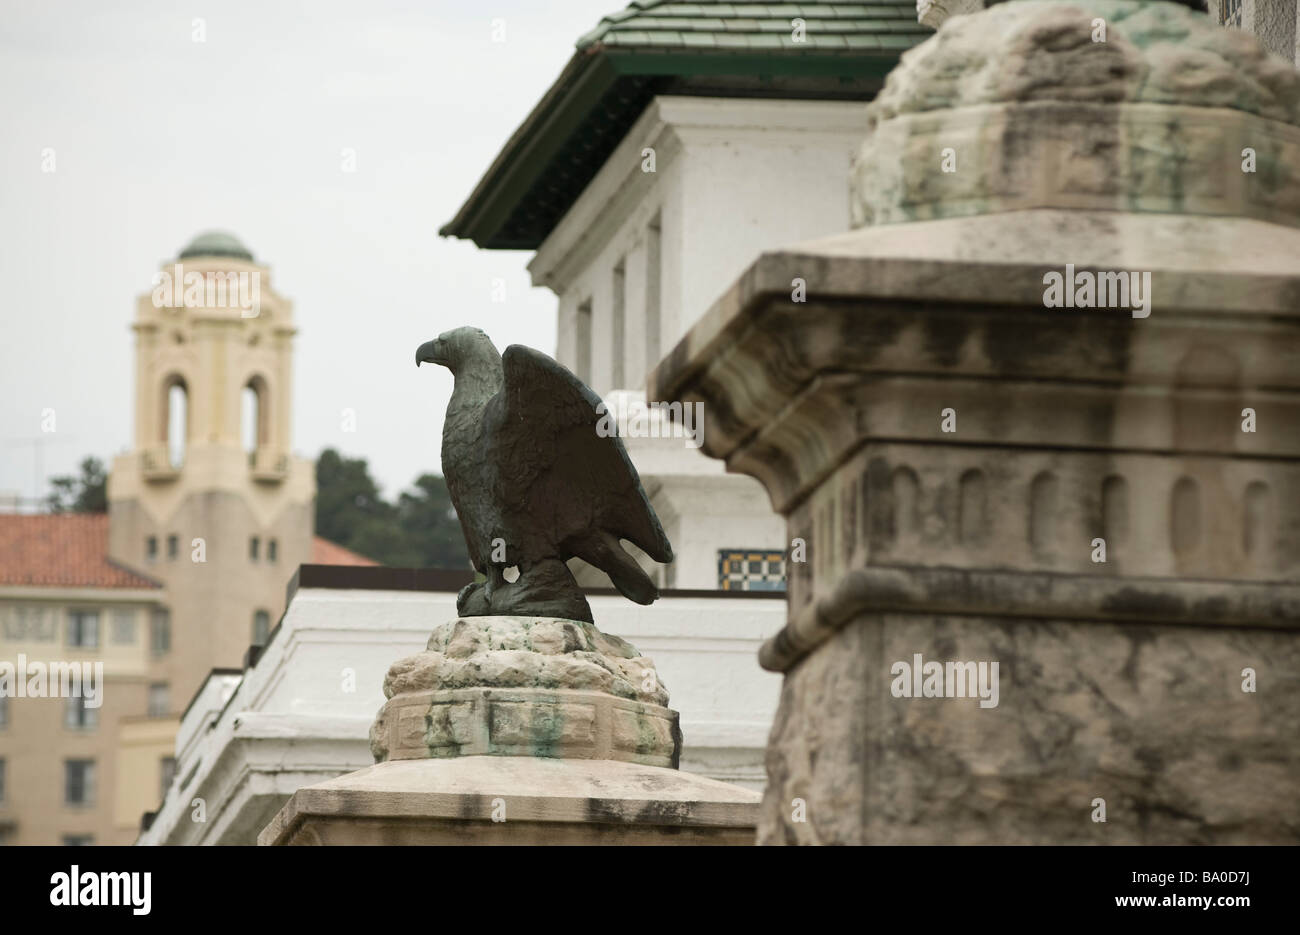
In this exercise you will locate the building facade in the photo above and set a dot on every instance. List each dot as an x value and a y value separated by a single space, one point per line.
209 515
210 493
681 141
63 603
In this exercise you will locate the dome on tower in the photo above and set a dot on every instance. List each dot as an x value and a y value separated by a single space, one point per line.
216 243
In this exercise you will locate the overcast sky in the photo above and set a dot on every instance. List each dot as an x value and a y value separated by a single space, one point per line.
158 137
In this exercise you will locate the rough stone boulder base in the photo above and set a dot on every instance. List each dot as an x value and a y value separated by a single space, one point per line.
1037 114
537 686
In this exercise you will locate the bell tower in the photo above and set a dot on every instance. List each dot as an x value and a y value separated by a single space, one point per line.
210 500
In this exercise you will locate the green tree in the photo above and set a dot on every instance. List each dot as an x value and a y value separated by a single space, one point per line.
419 531
430 523
84 493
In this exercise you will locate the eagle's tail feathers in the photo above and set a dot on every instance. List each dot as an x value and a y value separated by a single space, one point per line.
604 551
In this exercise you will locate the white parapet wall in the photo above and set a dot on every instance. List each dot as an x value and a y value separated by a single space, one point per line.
302 712
706 651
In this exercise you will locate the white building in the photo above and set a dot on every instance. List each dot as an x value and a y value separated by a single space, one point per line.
680 142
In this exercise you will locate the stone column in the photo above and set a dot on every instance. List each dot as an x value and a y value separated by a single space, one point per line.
521 730
1273 23
1100 496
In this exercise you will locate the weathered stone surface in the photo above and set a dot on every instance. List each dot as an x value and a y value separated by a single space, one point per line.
948 448
1030 110
527 652
526 730
934 13
1150 718
526 686
515 800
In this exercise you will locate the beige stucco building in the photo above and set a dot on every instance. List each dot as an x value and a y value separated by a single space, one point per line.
209 516
210 493
61 781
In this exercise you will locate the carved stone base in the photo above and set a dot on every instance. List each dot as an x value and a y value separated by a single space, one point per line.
521 730
526 686
569 724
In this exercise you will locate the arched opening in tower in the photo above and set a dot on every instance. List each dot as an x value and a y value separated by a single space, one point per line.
254 423
175 419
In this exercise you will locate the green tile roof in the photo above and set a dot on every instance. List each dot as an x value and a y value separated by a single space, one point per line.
668 47
827 26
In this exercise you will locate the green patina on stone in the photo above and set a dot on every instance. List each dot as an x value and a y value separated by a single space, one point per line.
1041 115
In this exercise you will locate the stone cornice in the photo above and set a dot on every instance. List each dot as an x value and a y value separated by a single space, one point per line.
1086 598
881 341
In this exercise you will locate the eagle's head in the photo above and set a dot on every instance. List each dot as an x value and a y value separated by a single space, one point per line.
456 348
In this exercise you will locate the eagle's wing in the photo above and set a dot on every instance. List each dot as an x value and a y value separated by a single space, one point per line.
550 441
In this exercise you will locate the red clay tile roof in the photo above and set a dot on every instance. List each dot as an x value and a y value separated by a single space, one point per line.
68 550
324 552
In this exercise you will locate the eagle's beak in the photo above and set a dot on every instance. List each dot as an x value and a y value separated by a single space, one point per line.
431 351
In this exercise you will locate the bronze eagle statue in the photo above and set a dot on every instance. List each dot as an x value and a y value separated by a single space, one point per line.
537 477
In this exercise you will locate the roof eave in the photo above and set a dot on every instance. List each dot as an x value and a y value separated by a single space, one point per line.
588 75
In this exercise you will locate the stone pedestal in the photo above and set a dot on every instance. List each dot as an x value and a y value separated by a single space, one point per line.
1105 504
515 730
516 800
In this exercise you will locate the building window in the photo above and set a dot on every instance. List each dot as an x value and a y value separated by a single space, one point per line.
79 782
254 421
78 715
38 624
167 772
175 423
78 840
751 570
582 342
272 550
653 293
261 627
254 545
123 631
173 547
83 629
151 549
160 632
618 323
1230 13
160 704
